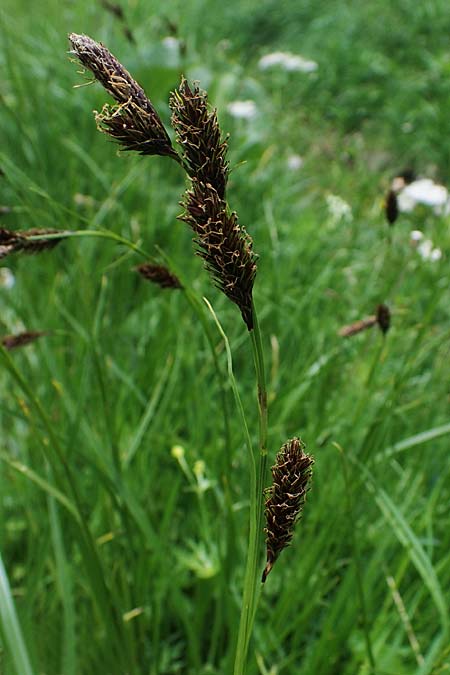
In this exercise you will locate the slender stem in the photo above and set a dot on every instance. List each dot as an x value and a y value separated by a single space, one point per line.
247 612
357 559
102 234
251 588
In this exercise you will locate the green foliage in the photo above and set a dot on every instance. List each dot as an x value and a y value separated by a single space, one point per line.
123 509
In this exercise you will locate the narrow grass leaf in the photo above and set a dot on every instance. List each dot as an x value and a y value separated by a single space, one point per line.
11 627
418 557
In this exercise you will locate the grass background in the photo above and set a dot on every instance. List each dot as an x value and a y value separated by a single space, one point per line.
154 585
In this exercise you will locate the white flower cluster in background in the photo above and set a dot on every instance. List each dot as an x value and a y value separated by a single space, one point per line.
338 209
171 43
425 247
294 162
287 61
422 191
245 110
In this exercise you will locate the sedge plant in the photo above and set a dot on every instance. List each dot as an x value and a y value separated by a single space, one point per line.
227 252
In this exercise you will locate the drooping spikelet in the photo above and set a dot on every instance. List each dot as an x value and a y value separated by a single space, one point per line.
357 326
199 134
20 339
382 318
21 240
160 275
285 498
134 122
223 244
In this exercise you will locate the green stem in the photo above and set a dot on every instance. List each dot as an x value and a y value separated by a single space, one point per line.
102 234
357 559
252 552
251 588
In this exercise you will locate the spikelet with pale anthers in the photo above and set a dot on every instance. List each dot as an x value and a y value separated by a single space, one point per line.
133 122
285 498
159 275
198 133
224 245
21 241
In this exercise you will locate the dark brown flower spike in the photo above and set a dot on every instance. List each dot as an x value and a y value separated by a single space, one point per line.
160 275
20 241
383 318
285 498
223 244
134 122
391 207
21 339
199 134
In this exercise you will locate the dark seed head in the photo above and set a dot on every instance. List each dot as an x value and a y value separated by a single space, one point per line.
20 339
22 241
383 318
223 244
160 275
391 207
133 122
291 476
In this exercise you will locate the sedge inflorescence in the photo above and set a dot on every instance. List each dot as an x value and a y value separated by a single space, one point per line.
285 498
220 240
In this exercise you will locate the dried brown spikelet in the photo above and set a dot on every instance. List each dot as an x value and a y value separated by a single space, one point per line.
358 326
199 134
134 122
21 339
383 318
160 275
391 207
224 245
20 240
291 476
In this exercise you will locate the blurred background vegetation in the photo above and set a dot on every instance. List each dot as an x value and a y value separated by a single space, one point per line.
126 374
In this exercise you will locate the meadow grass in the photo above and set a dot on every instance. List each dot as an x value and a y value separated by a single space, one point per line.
124 504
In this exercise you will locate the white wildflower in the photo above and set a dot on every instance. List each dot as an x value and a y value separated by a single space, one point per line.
172 46
245 110
405 202
287 61
294 162
7 278
338 209
436 254
171 43
427 252
424 191
416 235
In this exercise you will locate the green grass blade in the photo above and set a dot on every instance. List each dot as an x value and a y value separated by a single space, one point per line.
11 627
